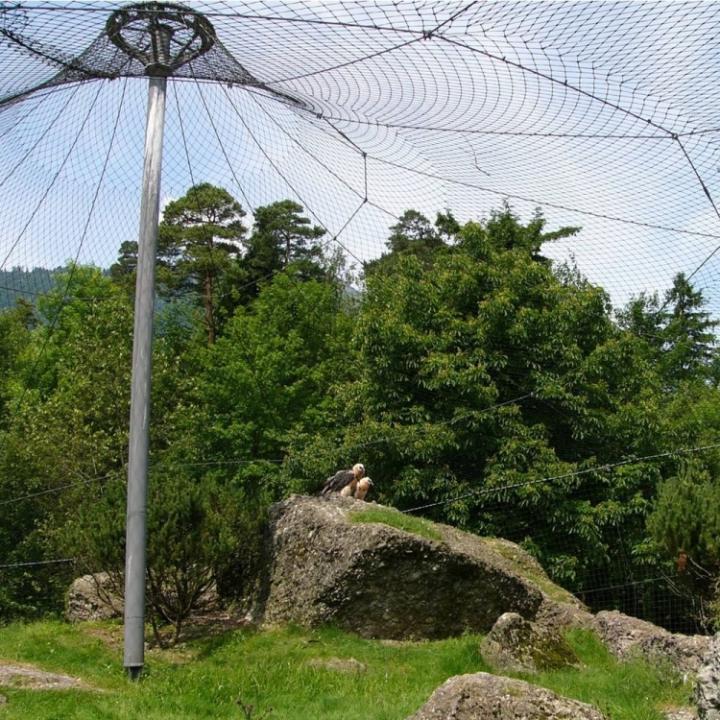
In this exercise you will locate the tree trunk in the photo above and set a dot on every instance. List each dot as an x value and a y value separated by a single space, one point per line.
208 303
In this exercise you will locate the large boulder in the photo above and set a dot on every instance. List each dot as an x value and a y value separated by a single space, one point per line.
707 688
93 597
99 597
381 581
478 696
28 677
628 637
518 645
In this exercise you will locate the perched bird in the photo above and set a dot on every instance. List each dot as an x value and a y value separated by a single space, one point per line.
363 486
344 481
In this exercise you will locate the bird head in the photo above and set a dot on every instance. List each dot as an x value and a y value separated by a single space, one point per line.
358 470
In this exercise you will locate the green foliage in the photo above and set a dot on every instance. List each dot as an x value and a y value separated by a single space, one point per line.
686 516
680 334
19 283
267 378
15 325
124 270
447 345
468 374
193 539
689 334
685 523
414 235
67 424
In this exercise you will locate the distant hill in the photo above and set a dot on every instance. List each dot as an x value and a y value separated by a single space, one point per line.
21 283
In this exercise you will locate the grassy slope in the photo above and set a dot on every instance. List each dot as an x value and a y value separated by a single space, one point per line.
272 670
393 518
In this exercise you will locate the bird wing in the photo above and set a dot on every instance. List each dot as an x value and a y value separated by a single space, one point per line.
337 482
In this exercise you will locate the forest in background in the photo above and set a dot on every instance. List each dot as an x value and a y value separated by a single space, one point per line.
481 385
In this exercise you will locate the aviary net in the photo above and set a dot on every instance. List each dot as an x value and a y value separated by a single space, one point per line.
601 114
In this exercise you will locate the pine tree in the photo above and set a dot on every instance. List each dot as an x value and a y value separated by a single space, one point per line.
199 245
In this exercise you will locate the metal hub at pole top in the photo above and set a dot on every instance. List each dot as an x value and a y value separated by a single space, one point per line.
162 36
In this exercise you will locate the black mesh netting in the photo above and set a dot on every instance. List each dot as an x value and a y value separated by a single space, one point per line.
600 113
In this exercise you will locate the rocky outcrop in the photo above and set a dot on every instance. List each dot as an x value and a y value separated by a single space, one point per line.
471 697
518 645
380 581
93 597
707 688
628 637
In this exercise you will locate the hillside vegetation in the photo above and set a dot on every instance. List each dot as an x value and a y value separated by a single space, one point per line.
482 386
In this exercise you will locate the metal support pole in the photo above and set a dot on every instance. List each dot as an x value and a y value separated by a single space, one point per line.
141 377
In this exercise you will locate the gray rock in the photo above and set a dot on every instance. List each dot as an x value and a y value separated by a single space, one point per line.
707 688
560 610
628 637
31 678
480 696
518 645
341 665
563 616
382 582
680 714
93 597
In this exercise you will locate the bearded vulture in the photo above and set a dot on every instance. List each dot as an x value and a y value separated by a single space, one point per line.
363 486
344 481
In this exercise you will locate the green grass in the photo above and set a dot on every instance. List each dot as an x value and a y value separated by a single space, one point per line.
393 518
623 691
273 672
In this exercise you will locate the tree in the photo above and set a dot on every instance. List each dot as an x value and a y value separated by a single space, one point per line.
269 374
689 338
124 270
199 244
679 333
642 317
685 523
15 326
64 452
413 234
192 536
282 236
67 424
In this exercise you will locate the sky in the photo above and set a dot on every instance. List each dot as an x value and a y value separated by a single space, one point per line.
599 113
